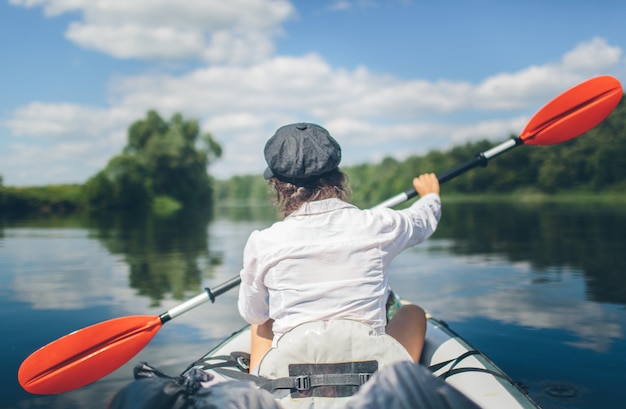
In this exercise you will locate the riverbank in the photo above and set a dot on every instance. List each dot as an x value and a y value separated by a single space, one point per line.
65 199
58 199
608 198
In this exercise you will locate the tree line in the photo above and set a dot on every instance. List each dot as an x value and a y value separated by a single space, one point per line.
164 165
594 162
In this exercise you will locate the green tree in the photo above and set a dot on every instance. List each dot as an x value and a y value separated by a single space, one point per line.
162 159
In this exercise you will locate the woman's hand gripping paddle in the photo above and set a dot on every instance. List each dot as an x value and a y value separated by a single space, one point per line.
91 353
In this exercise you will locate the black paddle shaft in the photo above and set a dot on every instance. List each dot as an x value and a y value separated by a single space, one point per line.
222 288
481 159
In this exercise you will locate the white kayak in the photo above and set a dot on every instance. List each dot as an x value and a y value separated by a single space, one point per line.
445 353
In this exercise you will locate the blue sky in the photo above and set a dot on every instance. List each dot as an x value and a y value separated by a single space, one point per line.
386 77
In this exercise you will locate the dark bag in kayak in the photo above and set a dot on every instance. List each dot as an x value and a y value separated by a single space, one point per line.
152 389
407 385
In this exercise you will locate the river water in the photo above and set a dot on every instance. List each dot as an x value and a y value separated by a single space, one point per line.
541 289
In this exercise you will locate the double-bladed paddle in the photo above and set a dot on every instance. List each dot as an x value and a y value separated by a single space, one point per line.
88 354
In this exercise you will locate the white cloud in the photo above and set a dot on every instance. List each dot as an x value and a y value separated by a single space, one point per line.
64 162
309 85
541 83
234 31
592 56
132 41
65 121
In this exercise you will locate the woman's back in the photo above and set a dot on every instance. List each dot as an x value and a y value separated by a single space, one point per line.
329 260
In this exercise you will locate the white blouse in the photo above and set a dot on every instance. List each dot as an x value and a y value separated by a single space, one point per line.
328 260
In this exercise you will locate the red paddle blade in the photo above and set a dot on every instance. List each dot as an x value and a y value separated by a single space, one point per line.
86 355
574 112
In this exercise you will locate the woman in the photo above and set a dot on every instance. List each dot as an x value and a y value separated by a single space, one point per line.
327 259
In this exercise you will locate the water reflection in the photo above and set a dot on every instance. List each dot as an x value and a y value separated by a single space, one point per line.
86 258
460 289
549 237
47 268
169 258
165 257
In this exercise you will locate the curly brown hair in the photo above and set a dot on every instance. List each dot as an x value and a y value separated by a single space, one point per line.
290 195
